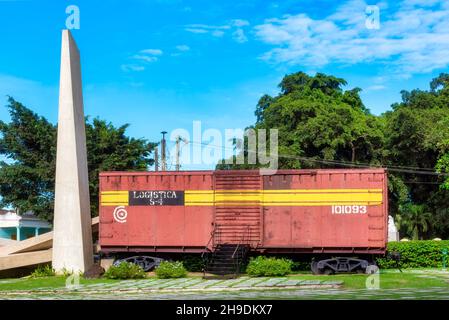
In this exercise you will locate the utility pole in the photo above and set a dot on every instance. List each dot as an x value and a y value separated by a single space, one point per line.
178 151
178 138
156 158
163 154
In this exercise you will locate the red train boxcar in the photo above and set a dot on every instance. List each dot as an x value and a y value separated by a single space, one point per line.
333 212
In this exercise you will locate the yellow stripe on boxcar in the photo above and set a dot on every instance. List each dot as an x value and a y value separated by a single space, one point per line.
114 198
287 197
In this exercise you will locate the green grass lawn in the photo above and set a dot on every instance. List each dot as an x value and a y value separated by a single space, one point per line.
388 280
45 282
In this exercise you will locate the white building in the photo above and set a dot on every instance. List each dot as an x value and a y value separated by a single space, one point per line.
20 227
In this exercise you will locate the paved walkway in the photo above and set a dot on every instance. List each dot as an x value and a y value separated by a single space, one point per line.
284 294
241 288
171 286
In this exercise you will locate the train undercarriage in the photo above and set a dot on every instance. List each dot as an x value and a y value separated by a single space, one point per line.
229 259
343 265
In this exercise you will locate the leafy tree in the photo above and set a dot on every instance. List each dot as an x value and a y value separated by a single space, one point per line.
321 125
28 143
263 104
317 119
438 205
398 193
440 83
417 136
415 219
442 166
109 149
298 81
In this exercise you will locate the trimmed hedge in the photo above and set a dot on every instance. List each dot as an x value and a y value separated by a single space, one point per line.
125 270
169 269
271 267
415 254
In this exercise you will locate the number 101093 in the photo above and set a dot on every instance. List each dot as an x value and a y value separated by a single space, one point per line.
349 209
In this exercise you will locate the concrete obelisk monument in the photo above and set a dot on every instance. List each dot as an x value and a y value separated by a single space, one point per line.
72 235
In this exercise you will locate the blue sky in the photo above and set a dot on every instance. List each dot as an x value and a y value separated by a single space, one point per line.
159 65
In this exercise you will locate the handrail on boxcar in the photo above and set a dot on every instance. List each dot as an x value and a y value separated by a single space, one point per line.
206 249
212 234
242 240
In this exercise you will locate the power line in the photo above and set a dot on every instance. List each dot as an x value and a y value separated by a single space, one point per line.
421 182
393 168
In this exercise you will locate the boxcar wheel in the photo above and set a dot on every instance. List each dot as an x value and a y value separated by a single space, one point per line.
328 272
314 268
371 269
145 262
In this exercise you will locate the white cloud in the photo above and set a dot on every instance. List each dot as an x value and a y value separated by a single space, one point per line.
196 30
239 23
154 52
351 13
208 26
144 58
426 3
239 36
183 47
412 39
218 31
132 67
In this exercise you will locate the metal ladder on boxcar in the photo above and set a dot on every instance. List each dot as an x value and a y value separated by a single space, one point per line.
226 259
238 219
237 223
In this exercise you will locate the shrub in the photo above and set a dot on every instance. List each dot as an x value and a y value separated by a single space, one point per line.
168 269
43 271
301 266
193 263
66 273
415 254
264 266
125 270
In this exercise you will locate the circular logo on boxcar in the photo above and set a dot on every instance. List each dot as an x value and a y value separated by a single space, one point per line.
120 214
